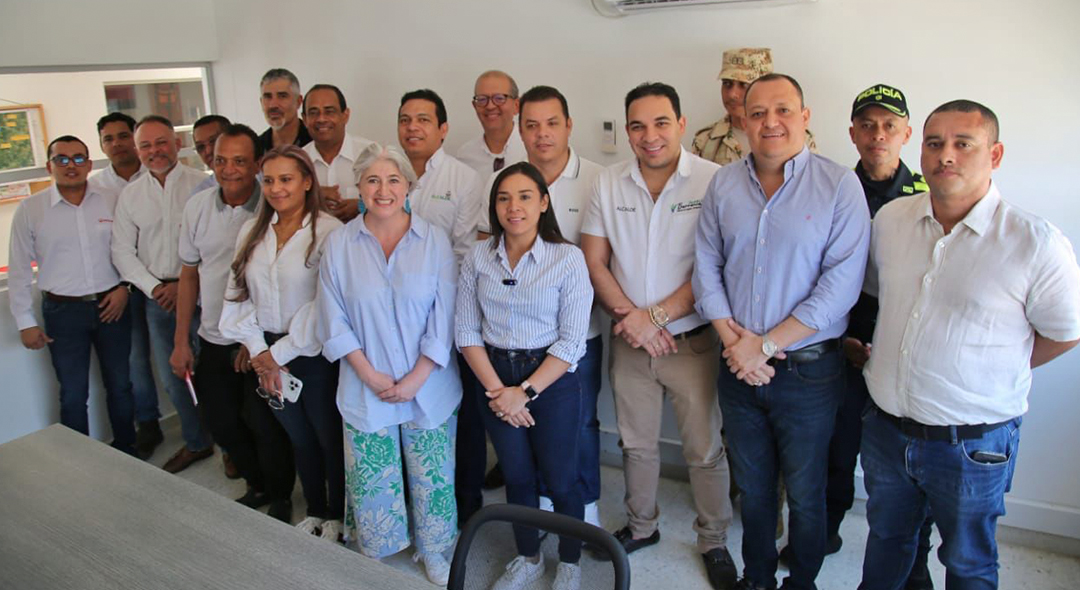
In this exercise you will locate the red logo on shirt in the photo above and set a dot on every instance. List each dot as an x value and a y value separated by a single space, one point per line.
103 220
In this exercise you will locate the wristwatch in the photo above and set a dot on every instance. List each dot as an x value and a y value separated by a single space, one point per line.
529 391
659 317
768 347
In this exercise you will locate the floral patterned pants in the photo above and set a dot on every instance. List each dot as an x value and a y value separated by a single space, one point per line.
378 465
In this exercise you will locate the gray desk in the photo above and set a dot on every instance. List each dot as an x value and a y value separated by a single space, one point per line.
75 513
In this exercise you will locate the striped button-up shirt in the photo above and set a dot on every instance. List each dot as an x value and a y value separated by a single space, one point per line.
544 301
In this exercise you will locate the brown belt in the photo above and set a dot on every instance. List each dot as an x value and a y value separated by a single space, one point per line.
167 281
77 298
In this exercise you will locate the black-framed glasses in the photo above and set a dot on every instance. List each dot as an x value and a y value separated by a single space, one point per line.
272 399
481 100
79 160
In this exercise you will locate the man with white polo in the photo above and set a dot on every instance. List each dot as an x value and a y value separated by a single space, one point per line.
638 238
974 293
495 100
332 150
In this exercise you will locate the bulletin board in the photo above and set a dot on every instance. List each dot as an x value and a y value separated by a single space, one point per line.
22 137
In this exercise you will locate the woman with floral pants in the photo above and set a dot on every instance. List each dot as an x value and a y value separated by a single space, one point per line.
387 287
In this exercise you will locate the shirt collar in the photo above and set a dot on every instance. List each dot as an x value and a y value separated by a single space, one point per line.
537 252
434 161
506 146
793 166
303 223
347 151
251 204
417 226
980 216
684 168
55 198
573 166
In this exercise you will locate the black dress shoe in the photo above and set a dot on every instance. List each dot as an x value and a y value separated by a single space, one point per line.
745 584
629 543
494 478
147 437
832 545
254 498
720 568
281 510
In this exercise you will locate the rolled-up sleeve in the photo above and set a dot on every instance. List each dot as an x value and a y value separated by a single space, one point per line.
707 280
336 332
575 305
467 315
438 338
843 265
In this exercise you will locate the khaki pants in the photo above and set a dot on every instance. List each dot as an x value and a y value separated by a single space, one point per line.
688 377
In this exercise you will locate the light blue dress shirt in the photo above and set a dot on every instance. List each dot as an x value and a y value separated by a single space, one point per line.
394 310
801 253
545 301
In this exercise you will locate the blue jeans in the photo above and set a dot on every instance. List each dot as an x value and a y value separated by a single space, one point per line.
470 448
142 377
588 371
905 476
162 325
783 427
74 328
549 448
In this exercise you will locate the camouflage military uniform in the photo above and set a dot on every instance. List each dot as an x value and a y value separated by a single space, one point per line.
717 143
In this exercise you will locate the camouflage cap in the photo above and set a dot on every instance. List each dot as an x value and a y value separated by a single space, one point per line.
746 64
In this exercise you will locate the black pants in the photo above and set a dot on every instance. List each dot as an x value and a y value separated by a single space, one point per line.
241 422
471 448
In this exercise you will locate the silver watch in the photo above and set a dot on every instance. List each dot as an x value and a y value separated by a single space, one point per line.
768 347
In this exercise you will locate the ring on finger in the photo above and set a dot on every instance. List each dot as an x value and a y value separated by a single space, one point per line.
499 414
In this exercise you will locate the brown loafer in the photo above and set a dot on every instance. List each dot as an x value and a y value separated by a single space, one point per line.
184 458
231 471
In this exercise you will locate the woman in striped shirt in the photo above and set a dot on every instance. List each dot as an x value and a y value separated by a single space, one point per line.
523 306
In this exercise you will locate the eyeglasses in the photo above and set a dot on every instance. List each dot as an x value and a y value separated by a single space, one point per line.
79 160
272 399
481 100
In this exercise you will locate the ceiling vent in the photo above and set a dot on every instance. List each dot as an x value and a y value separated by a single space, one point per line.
625 7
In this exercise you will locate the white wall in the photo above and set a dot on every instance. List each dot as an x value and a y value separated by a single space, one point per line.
73 32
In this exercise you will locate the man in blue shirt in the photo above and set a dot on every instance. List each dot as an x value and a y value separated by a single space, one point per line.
781 251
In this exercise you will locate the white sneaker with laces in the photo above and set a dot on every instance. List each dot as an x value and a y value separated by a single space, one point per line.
592 514
567 577
435 567
310 525
331 530
520 573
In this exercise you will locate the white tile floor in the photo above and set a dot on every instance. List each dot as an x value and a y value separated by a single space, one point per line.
674 562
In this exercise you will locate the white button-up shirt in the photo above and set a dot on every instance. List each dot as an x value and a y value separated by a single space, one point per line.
448 196
959 312
108 180
208 241
147 227
394 310
339 173
476 155
70 244
570 196
652 244
281 291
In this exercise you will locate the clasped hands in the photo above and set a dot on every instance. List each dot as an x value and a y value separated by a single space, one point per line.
390 391
508 404
745 358
637 329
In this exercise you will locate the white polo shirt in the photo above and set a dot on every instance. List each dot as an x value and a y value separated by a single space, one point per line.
476 155
70 244
208 241
147 227
570 196
652 245
339 173
959 312
109 180
448 196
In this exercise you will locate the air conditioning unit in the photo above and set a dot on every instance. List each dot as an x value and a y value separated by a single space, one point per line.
625 7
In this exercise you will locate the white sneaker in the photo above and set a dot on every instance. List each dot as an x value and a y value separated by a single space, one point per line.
520 573
545 504
331 530
592 514
310 525
435 567
567 577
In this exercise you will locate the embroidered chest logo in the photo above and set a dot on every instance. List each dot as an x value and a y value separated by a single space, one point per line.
445 197
686 206
625 209
574 210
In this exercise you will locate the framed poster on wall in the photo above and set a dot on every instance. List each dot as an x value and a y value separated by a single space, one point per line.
22 137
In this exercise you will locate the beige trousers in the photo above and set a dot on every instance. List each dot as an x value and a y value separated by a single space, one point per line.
688 377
